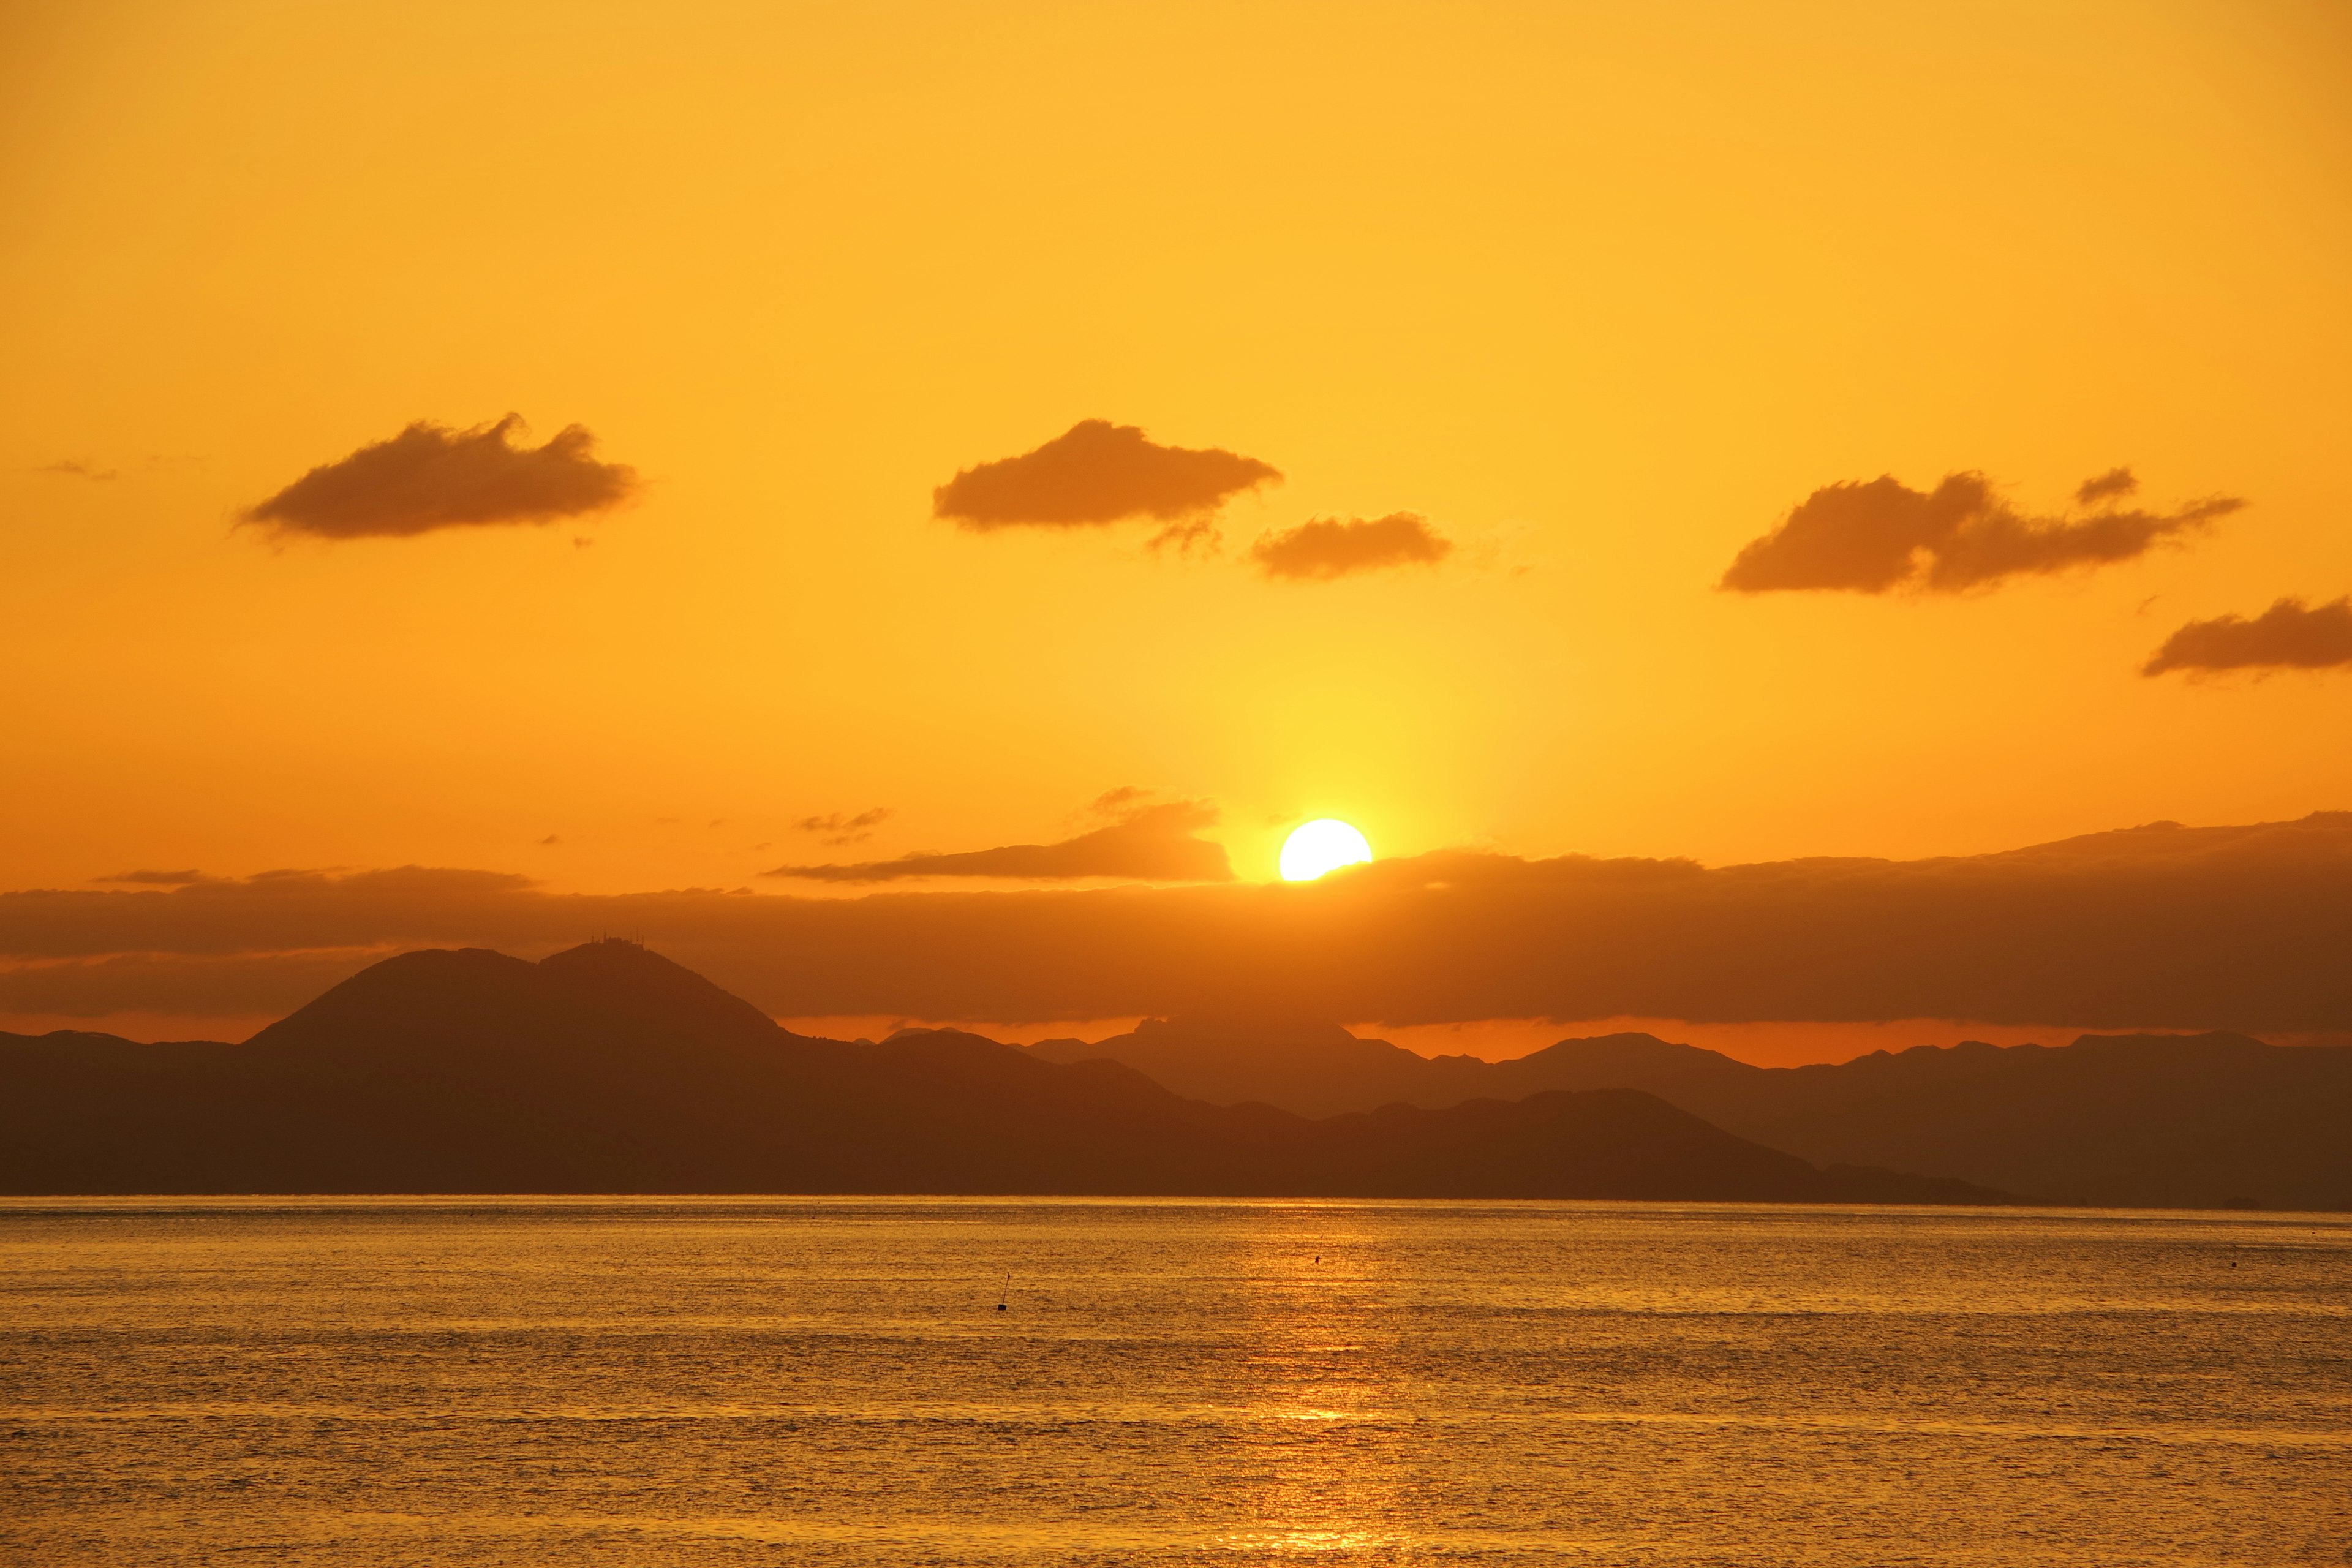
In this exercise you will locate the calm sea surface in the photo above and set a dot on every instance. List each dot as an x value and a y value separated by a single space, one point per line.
821 1381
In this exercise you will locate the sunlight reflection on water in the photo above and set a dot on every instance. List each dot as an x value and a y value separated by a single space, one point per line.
826 1380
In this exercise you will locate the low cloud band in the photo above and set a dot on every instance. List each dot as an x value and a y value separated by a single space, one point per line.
2158 927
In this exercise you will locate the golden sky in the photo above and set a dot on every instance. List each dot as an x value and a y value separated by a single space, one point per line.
1600 292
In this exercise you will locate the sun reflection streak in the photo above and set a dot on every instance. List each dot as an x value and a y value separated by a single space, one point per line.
1317 1357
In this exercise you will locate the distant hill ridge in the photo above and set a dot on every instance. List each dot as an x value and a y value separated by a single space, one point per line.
608 1068
2144 1120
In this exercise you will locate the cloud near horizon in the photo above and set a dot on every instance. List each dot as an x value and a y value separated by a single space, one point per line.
189 986
1881 535
432 476
2158 927
1095 473
2290 635
1326 548
1148 841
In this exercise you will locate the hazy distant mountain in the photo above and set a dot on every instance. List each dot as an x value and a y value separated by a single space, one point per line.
2193 1120
607 1068
1314 1068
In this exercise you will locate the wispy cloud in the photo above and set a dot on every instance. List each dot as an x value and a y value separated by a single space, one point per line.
1326 548
1881 535
2115 482
160 878
73 468
1146 840
432 477
840 827
2290 635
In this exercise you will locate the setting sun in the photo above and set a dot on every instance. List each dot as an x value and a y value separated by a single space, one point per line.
1323 845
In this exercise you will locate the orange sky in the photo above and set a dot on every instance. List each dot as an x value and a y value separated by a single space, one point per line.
1600 291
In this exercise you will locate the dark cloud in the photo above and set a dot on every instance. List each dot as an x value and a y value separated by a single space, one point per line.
1148 842
1880 536
201 985
1099 472
160 878
839 828
272 911
2149 928
74 469
2290 635
1327 548
430 476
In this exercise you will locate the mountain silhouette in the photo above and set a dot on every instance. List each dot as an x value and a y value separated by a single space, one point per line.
609 1068
2194 1121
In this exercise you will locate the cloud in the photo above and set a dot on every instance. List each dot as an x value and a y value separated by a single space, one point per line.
72 468
2156 927
1149 842
430 476
201 985
2290 635
839 828
160 878
2106 487
1113 802
1880 536
1097 472
1326 548
271 912
1186 536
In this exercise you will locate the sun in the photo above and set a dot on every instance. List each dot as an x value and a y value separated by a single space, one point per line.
1323 845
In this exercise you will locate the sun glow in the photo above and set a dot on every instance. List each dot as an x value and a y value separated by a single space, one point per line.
1323 845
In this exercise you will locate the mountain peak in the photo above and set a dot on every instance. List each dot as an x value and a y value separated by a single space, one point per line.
631 979
613 955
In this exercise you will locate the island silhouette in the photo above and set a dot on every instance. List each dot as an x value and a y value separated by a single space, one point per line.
608 1068
2205 1119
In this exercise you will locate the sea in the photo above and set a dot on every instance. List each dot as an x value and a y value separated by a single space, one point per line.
907 1381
